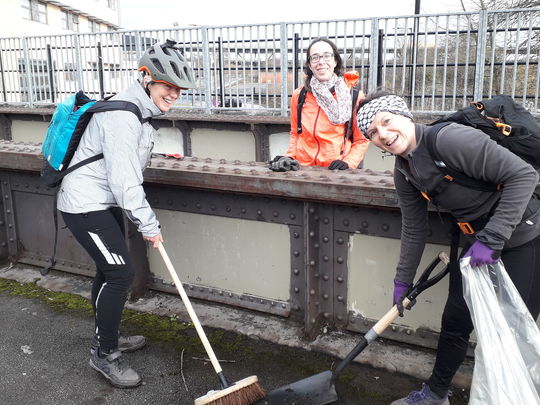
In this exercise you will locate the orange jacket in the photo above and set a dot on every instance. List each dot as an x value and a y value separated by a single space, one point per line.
321 142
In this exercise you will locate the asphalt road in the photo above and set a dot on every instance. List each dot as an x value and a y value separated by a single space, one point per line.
45 350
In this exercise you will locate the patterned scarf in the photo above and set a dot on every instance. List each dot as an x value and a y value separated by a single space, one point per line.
338 111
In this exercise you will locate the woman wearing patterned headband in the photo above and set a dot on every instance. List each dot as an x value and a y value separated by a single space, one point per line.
504 223
322 139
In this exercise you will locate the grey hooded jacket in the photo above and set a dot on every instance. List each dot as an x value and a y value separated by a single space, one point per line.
115 180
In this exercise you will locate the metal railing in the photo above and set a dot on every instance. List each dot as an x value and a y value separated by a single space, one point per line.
438 62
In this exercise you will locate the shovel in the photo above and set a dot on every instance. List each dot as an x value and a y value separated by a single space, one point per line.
320 389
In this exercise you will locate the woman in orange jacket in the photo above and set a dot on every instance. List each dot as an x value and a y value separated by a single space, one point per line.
327 108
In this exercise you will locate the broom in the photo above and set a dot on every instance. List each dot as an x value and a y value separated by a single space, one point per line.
243 392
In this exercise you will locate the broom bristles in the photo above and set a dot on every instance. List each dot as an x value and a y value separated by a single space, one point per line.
243 392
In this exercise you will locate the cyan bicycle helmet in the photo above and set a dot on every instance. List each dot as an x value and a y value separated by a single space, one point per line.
165 64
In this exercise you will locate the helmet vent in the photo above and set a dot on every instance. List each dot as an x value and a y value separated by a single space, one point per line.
166 51
175 69
158 65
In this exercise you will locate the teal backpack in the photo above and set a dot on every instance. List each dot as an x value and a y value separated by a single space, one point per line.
67 126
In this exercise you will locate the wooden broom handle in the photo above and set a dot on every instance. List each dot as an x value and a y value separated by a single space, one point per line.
190 310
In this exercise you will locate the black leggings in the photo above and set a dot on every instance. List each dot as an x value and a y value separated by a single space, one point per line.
101 233
523 266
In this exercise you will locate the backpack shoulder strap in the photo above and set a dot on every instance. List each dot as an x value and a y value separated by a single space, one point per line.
117 105
355 93
301 101
450 174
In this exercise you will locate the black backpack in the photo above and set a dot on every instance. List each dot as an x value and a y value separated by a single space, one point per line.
507 123
355 92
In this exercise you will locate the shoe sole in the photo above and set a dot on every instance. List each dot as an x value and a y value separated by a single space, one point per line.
124 350
116 384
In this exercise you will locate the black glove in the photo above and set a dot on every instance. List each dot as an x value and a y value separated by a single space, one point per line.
284 164
338 165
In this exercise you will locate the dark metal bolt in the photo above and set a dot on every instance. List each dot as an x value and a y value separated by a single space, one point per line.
296 272
339 279
292 216
296 253
312 234
385 227
340 241
311 292
325 277
340 259
325 258
259 212
296 235
325 296
326 315
296 290
325 239
326 221
346 222
275 214
340 298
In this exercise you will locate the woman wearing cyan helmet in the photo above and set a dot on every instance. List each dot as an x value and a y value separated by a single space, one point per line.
505 223
94 197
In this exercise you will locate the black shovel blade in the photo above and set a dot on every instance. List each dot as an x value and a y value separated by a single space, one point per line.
318 389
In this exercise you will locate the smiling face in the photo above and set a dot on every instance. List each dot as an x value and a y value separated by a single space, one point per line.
323 69
163 95
392 133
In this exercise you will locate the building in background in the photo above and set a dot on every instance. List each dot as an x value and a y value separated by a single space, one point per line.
49 17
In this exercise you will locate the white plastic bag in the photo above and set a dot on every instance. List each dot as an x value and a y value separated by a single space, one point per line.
507 357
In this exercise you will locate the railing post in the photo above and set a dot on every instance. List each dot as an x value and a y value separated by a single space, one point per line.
206 70
284 69
373 54
28 73
138 46
480 55
99 68
3 78
221 73
51 73
78 63
296 51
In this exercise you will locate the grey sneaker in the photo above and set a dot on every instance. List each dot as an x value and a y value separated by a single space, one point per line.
126 344
115 370
422 397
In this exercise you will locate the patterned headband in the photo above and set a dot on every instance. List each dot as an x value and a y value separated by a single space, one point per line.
392 103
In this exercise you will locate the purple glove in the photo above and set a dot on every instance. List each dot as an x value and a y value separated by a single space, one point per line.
482 254
400 291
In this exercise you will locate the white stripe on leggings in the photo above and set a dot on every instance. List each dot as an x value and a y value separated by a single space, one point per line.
97 240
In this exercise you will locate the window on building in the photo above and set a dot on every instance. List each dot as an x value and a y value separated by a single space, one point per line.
70 21
34 10
70 72
65 20
112 4
93 26
40 87
74 22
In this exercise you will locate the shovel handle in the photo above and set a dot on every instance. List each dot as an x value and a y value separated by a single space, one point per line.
423 283
190 309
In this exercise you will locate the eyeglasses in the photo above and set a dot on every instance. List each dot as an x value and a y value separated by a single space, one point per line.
327 57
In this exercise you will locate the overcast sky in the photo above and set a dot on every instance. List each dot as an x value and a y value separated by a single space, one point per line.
148 14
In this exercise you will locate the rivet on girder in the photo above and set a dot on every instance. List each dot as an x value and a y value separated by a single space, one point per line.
340 317
243 210
161 164
312 263
340 241
208 160
296 235
364 224
325 277
222 161
296 253
340 259
325 258
339 279
296 290
312 234
254 172
385 227
311 292
206 168
237 162
326 221
292 216
190 166
326 315
237 171
296 272
325 296
316 275
311 210
213 207
316 245
340 298
325 239
228 209
346 222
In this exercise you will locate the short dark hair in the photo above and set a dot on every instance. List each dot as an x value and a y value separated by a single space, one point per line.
338 70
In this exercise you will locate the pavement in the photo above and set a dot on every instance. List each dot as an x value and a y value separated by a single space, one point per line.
46 326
